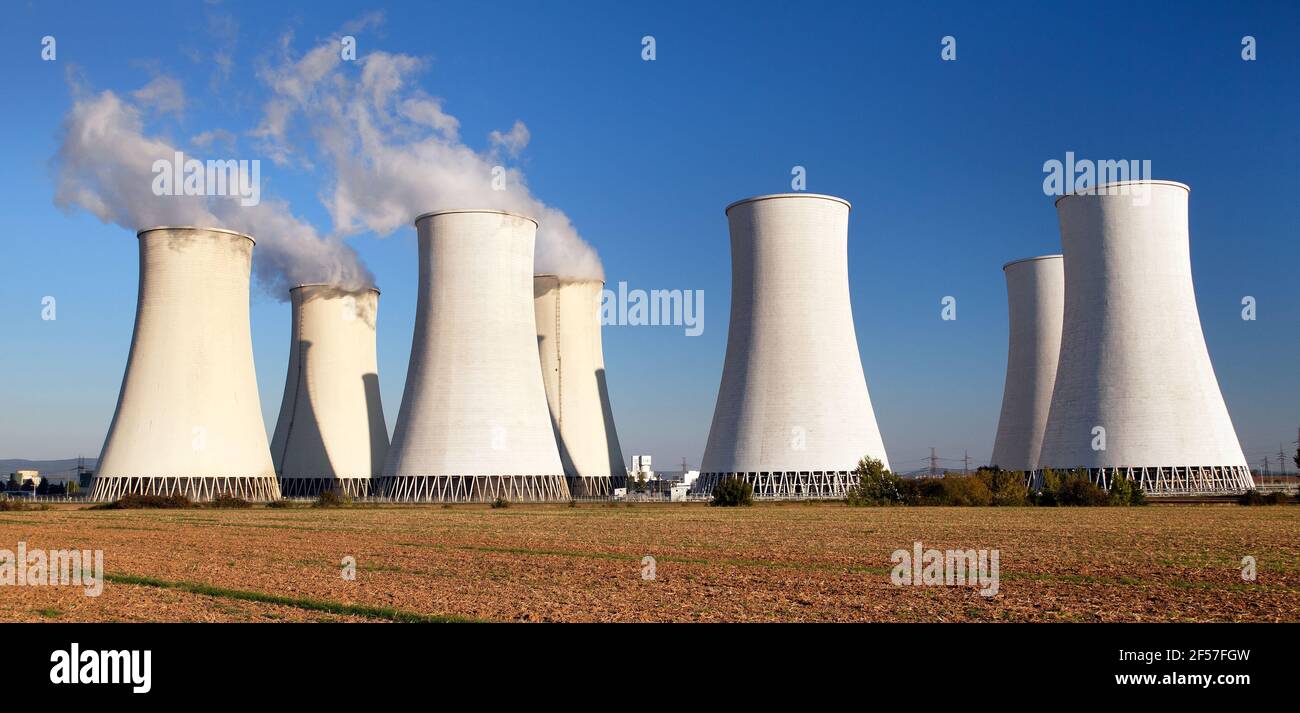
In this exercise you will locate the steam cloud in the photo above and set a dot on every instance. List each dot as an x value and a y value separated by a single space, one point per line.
389 151
394 153
105 166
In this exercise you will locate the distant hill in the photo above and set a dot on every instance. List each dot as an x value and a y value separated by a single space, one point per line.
54 470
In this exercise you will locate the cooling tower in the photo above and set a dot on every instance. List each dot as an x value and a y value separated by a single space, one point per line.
573 371
188 421
1135 392
331 434
474 424
793 415
1035 300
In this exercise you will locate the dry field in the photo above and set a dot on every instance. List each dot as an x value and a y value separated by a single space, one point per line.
773 562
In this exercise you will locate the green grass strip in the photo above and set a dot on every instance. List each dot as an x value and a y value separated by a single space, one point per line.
320 605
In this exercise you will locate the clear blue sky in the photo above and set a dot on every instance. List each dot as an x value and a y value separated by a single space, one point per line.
942 161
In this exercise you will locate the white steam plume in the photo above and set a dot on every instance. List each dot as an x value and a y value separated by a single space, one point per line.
394 153
105 163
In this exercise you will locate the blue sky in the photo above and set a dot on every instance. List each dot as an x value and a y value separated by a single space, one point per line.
941 160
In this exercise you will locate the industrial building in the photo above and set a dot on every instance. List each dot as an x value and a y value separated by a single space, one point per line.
1135 393
23 478
573 370
474 424
331 434
793 415
188 419
1036 303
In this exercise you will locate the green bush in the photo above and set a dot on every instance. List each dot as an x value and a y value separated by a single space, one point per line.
332 499
226 501
922 491
1077 490
1125 491
147 502
1121 489
1051 485
876 485
1007 487
1137 496
732 492
965 491
277 504
500 502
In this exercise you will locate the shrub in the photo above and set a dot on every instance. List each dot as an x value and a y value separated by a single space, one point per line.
1251 497
277 504
1007 487
1138 496
922 491
331 499
7 505
1076 489
1125 491
1254 497
732 492
147 502
1048 488
876 485
1121 489
965 491
226 501
500 502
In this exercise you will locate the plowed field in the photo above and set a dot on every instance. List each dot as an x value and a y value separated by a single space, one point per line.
772 562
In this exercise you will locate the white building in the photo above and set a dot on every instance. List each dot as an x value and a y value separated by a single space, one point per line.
793 414
573 370
474 423
1036 303
1135 392
188 418
642 469
331 433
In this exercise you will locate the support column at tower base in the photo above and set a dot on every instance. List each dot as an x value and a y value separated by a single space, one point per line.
254 488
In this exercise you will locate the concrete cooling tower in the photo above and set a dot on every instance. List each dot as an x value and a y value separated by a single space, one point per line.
474 424
793 415
1036 301
573 370
188 420
1135 393
331 434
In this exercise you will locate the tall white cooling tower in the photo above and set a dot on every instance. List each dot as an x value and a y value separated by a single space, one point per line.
474 424
331 434
1135 392
1036 302
188 419
573 370
793 415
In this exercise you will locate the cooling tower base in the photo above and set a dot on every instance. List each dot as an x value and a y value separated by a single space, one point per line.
591 487
255 488
474 488
313 487
786 485
1177 480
